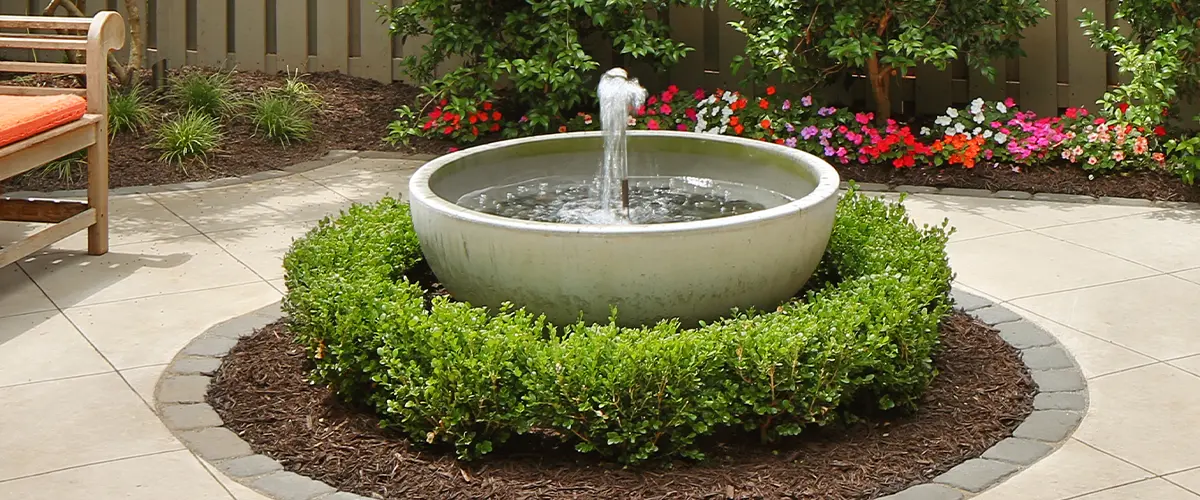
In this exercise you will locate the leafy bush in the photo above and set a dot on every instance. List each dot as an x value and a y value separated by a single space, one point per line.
302 93
192 134
208 93
281 117
67 168
537 48
451 373
129 110
808 40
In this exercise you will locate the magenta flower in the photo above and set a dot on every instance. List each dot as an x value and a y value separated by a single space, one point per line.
665 109
790 142
808 132
789 127
826 111
699 95
806 101
681 127
652 124
787 104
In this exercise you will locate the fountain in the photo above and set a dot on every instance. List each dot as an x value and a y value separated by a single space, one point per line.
674 224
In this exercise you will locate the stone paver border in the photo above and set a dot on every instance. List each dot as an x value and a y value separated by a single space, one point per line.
1059 407
339 155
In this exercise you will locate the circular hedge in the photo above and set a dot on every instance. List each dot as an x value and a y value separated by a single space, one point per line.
447 372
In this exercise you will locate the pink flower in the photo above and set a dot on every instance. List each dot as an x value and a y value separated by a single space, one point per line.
453 150
681 127
1140 146
665 109
864 118
699 95
1010 103
1092 160
1118 155
1158 157
806 101
652 124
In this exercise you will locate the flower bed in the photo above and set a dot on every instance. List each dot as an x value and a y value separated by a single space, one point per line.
444 372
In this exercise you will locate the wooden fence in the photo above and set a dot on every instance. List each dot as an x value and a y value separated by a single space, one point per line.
1060 70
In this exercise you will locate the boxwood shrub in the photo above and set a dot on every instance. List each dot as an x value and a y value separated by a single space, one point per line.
860 340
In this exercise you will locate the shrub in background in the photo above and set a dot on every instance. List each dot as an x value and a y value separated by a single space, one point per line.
809 40
192 134
451 373
537 48
209 93
129 110
281 117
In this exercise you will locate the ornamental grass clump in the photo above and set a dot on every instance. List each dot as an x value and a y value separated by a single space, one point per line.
446 372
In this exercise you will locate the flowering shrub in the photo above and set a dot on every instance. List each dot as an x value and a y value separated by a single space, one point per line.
1098 144
1005 134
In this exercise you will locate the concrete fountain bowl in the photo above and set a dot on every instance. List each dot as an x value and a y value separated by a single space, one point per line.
693 271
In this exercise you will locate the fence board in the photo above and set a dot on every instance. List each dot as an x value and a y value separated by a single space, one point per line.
933 89
1039 68
250 34
212 23
333 35
170 23
18 8
687 26
1087 68
730 44
291 35
376 44
994 90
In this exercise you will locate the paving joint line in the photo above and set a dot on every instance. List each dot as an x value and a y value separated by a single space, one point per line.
1059 405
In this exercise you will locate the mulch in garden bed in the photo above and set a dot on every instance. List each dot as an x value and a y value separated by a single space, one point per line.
358 111
980 395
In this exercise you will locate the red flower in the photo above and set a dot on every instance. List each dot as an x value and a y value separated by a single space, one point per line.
673 89
475 119
1166 111
733 120
562 128
1072 113
1123 107
1160 131
496 115
641 110
435 114
771 90
652 124
428 125
699 95
690 113
475 131
495 127
447 130
765 123
487 106
1099 121
668 96
652 100
738 129
779 141
483 116
451 150
665 109
762 103
443 102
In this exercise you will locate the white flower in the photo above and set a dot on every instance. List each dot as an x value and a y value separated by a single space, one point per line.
701 124
725 120
951 131
952 113
976 131
987 134
926 131
979 118
716 130
723 129
977 103
730 98
1001 138
726 113
958 127
1001 107
943 121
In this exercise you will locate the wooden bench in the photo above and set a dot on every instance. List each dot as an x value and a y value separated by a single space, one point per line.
105 33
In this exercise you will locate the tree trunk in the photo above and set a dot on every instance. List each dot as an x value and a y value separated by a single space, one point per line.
881 87
137 44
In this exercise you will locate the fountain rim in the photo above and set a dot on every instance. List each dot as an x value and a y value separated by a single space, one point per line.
828 183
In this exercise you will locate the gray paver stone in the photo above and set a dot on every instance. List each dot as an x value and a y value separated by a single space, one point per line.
1046 358
976 475
253 465
872 186
215 443
1058 380
209 345
246 324
1127 202
1048 425
1064 198
342 495
1018 451
185 389
1067 401
926 492
195 365
1012 195
291 486
978 193
967 301
915 189
190 416
1023 335
995 315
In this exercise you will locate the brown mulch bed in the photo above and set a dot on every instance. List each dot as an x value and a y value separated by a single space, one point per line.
356 114
358 111
980 395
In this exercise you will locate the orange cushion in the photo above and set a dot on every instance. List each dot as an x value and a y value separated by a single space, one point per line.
22 117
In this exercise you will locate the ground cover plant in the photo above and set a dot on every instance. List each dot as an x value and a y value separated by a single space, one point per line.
445 372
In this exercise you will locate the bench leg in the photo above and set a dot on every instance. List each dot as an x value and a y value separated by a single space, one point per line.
97 188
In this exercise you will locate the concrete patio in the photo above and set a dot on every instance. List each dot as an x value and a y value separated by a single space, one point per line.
84 339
